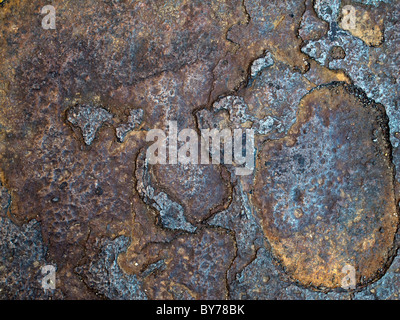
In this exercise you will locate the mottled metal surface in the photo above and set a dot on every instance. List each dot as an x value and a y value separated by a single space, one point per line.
326 192
77 102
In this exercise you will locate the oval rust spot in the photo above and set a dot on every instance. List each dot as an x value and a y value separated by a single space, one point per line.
325 192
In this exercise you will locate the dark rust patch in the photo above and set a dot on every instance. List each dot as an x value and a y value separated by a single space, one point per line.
190 267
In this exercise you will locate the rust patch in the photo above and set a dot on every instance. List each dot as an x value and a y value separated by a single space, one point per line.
190 267
325 192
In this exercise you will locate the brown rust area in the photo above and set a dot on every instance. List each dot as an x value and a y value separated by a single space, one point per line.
325 192
311 26
67 169
202 190
188 265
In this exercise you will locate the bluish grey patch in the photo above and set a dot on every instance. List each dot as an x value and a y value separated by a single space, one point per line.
373 2
89 119
327 10
22 255
261 63
171 213
104 275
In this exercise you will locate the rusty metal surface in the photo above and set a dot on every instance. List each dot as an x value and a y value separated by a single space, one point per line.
326 193
76 105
